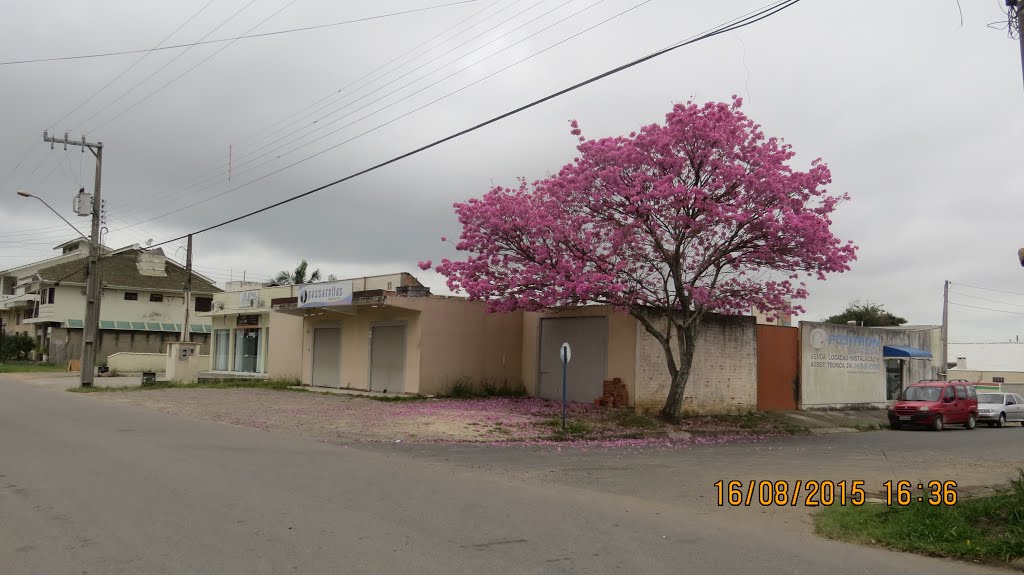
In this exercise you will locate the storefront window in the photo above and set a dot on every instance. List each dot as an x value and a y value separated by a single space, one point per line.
893 378
247 350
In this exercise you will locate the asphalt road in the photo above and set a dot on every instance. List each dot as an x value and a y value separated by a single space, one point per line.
90 487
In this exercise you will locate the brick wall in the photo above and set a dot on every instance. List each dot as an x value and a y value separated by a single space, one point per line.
724 374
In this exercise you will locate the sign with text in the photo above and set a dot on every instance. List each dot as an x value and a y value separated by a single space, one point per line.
841 365
325 294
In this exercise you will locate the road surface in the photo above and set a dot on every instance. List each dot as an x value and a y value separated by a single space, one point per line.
91 487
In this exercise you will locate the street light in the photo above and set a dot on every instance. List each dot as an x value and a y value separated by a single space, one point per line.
91 318
25 194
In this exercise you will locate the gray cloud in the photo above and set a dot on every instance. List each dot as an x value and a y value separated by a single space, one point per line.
910 111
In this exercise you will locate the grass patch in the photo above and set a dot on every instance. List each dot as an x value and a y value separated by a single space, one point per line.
29 367
574 429
989 528
754 421
466 388
275 384
630 419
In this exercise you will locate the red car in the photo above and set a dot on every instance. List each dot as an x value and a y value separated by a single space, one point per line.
936 404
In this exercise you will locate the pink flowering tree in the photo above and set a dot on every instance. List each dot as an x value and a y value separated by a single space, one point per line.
700 214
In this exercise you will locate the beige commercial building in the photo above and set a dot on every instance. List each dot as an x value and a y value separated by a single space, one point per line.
388 334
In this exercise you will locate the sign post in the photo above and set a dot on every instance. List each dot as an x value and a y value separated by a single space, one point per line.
566 354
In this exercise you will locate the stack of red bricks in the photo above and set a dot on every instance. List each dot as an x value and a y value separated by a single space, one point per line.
614 394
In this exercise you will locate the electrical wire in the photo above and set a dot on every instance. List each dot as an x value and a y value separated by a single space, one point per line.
382 125
166 64
987 289
977 307
219 174
130 67
159 47
325 125
735 24
986 299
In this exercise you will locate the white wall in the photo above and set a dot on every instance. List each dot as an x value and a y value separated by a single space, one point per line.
69 302
723 377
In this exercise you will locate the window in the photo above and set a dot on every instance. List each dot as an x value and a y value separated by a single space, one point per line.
49 295
948 393
156 297
961 392
998 380
248 320
131 296
1010 400
17 318
1018 398
971 392
204 304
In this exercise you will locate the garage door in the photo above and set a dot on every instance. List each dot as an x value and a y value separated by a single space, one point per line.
588 337
387 358
327 357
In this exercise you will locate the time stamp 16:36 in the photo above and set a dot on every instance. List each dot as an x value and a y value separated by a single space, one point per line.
827 493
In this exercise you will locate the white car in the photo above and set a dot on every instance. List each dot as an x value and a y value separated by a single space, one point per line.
1000 408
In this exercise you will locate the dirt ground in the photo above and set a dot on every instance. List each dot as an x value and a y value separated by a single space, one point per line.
332 417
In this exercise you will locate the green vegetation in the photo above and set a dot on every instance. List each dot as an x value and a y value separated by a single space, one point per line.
630 419
466 388
574 429
989 528
16 346
29 367
275 384
866 314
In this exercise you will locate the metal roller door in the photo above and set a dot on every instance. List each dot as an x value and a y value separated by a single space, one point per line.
327 357
588 337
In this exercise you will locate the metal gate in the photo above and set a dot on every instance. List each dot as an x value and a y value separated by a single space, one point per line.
327 357
387 358
778 368
588 337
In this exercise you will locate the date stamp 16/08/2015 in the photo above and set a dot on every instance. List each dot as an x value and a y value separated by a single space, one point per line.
827 493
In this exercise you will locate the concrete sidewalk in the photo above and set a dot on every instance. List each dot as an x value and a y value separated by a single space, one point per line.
838 421
67 380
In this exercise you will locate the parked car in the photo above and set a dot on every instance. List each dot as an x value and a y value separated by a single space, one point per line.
936 404
999 408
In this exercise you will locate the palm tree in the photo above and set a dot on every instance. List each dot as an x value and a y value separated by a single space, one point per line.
297 277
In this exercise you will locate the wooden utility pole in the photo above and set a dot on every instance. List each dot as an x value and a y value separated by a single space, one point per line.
945 330
90 332
186 331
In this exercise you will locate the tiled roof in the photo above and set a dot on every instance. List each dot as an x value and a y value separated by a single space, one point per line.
121 270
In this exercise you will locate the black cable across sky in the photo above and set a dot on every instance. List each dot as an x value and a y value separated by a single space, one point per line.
219 40
734 24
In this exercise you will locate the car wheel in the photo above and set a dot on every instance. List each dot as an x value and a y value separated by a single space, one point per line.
1002 420
971 422
937 423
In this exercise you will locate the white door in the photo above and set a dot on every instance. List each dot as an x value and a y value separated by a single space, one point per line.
588 338
387 358
327 357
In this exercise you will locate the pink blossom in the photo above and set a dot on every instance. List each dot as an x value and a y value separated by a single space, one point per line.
702 213
425 265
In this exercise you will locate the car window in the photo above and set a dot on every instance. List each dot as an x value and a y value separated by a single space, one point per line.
971 392
961 392
948 392
1010 400
1018 398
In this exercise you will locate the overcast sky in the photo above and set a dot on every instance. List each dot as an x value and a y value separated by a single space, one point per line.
917 115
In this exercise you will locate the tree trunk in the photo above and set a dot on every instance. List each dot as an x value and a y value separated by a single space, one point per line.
687 338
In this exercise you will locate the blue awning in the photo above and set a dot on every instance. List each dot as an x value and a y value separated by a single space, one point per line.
905 352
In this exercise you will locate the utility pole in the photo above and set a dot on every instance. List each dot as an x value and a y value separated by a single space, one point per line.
945 330
186 332
90 333
1015 10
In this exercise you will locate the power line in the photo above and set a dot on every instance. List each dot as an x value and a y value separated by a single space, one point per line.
322 126
988 289
988 299
158 47
984 308
168 63
218 173
735 24
132 65
379 126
